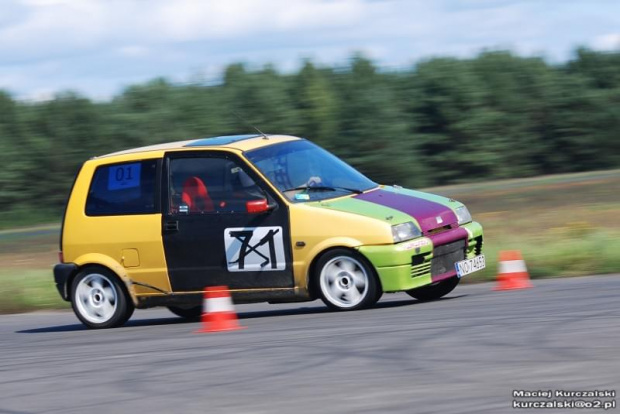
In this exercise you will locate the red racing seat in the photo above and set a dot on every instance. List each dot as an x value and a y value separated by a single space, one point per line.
196 196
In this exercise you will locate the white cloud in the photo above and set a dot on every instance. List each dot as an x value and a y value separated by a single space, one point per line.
610 41
134 51
97 45
186 20
52 28
77 26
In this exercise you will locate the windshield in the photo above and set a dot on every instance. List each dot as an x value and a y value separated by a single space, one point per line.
303 171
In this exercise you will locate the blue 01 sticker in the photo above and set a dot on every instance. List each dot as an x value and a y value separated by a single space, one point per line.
124 176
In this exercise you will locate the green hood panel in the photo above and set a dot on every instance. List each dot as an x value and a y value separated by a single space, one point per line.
367 209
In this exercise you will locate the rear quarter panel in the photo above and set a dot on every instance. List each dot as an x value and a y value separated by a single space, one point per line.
114 241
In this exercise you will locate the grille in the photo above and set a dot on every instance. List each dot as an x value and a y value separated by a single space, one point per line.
439 230
421 269
445 256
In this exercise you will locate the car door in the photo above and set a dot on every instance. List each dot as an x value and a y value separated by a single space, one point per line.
211 230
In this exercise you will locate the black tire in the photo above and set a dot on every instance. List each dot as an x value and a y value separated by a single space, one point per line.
345 281
191 313
434 291
99 299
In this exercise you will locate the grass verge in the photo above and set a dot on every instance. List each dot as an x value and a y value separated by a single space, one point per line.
26 290
546 256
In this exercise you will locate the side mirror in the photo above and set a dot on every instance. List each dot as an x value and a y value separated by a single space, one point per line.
258 206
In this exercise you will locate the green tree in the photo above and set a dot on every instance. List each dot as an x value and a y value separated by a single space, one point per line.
10 157
445 120
372 129
59 136
260 99
316 105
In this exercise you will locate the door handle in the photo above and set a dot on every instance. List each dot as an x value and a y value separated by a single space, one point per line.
171 226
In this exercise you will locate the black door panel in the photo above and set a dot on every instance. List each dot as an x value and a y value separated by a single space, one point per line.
195 241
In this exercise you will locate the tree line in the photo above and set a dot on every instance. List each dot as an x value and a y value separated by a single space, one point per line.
445 120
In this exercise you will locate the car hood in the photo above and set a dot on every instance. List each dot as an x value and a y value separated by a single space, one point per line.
395 205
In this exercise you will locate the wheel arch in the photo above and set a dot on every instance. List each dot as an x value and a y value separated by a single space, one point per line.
311 286
95 260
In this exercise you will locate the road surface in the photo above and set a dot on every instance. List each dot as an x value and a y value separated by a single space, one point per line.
465 353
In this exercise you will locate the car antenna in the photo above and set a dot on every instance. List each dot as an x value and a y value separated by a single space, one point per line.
247 123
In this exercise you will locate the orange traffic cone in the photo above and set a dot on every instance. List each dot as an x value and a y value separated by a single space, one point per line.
512 273
218 312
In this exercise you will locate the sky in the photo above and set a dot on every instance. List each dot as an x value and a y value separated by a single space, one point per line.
99 47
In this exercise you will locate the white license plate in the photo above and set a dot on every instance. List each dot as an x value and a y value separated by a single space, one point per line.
468 266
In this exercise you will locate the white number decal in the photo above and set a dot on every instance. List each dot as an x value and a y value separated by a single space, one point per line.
250 249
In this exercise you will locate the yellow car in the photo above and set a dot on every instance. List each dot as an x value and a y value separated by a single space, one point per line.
273 217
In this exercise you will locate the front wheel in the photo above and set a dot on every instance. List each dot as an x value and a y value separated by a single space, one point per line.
99 300
435 290
345 281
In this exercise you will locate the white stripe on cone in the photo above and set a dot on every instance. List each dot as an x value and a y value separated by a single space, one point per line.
512 266
223 304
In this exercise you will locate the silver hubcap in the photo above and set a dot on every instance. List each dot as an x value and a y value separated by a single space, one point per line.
344 282
96 298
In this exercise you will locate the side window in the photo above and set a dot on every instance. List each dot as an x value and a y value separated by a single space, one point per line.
210 185
127 188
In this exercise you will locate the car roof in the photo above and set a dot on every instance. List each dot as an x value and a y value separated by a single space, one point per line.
238 142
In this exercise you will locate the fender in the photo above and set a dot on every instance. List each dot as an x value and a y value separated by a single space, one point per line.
113 265
317 250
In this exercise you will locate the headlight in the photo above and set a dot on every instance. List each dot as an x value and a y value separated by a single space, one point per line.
405 231
463 215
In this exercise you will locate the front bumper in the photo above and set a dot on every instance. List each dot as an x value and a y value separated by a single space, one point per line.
407 265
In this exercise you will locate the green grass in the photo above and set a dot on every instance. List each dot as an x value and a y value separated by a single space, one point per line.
29 290
564 225
549 256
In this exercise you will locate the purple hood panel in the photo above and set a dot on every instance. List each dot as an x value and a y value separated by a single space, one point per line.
429 215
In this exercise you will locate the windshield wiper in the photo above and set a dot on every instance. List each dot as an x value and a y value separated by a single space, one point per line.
324 188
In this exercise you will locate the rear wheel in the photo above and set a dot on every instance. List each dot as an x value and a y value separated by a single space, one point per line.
99 300
434 291
345 281
186 312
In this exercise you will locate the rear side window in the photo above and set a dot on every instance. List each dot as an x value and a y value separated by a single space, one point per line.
127 188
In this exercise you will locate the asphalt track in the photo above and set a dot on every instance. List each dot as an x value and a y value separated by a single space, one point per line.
463 354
